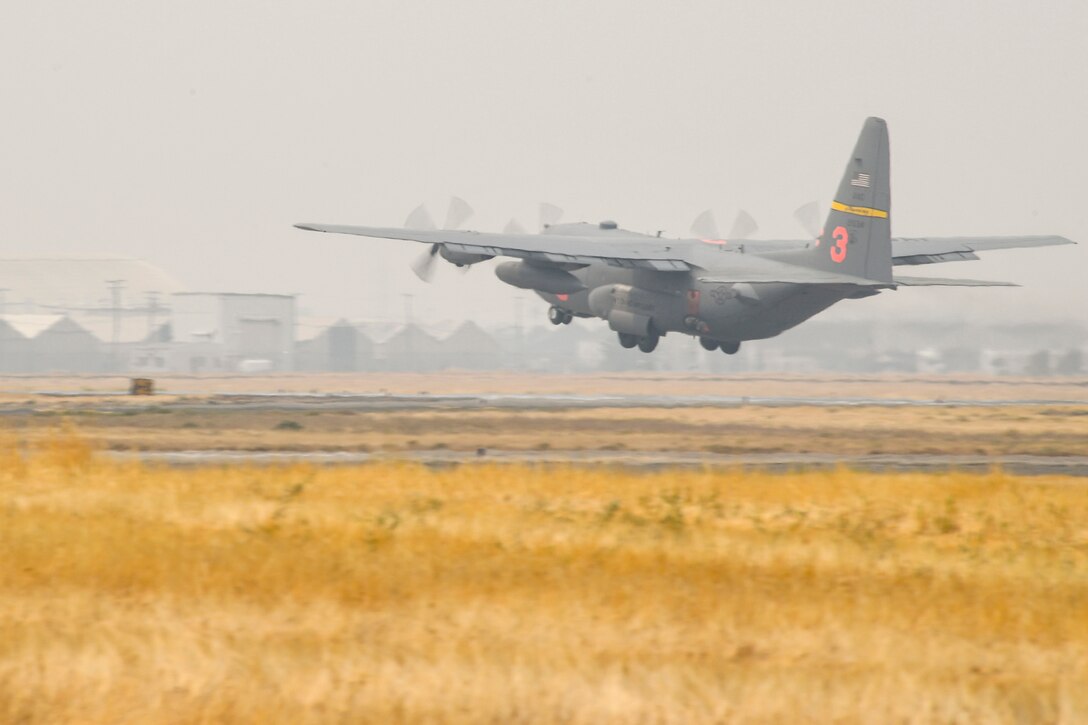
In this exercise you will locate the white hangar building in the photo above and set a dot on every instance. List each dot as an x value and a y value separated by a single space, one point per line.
126 315
231 332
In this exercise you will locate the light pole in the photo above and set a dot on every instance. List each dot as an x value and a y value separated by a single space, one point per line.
116 286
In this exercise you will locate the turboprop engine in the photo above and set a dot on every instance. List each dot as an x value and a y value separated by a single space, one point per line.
462 259
538 277
628 309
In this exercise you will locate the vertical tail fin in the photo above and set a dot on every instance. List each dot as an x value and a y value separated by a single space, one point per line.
856 239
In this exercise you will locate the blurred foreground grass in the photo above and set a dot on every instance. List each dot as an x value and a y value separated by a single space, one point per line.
484 593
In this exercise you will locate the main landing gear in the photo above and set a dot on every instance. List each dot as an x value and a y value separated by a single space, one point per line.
646 344
729 347
559 316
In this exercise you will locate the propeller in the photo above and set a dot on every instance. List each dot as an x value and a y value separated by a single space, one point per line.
549 214
458 213
808 216
423 265
744 226
420 219
705 226
513 227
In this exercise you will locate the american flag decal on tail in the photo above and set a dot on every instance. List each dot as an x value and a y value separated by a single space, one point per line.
860 180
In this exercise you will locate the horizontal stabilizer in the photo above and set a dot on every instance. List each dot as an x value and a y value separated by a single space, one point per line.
946 282
930 250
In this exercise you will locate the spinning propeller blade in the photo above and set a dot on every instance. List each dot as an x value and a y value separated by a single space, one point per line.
549 214
705 226
419 219
743 226
808 216
513 227
458 212
423 265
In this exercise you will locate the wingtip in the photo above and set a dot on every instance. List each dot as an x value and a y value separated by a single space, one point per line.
310 227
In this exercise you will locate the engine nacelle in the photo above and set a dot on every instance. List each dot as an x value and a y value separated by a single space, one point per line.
544 279
628 309
462 259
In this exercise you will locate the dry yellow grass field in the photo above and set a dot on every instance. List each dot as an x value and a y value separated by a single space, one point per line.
396 593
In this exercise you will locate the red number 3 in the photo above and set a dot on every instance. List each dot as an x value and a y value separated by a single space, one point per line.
841 237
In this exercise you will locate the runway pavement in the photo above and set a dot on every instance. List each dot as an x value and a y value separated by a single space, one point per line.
1020 464
424 401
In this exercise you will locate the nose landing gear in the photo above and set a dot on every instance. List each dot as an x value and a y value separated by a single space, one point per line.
559 316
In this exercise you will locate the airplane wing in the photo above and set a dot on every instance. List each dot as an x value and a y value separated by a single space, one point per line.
615 250
670 255
929 250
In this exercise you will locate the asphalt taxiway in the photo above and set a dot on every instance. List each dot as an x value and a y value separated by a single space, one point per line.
1020 464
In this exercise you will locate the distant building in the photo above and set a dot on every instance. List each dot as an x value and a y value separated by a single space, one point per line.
412 349
231 332
89 286
469 347
340 347
15 352
49 344
119 302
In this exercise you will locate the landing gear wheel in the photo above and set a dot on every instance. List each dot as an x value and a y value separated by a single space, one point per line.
730 348
709 344
567 317
627 340
556 315
648 343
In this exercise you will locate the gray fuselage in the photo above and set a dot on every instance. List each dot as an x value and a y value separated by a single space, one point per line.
642 301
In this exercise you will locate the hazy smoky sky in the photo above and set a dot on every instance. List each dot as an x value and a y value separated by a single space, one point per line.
195 134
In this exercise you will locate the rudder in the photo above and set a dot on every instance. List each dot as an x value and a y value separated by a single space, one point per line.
856 239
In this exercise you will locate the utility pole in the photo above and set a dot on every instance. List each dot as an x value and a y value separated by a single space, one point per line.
409 340
519 302
3 312
152 309
116 286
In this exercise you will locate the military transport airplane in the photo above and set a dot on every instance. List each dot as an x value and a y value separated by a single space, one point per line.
721 291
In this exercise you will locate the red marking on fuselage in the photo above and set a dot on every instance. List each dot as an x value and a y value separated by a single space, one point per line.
720 242
842 238
693 302
562 298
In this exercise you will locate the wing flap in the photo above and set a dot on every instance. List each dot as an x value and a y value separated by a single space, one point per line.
949 282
